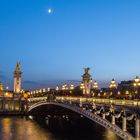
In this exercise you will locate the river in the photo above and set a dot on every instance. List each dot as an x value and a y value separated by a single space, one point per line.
25 128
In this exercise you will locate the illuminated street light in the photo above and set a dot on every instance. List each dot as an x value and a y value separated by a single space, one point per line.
82 87
95 85
7 88
48 89
40 91
127 92
71 87
56 88
104 93
6 94
64 87
119 92
1 87
112 84
44 90
136 84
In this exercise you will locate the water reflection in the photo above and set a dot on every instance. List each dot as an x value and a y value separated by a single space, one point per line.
109 135
23 128
17 128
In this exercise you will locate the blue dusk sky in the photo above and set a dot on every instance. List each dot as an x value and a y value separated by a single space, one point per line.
55 47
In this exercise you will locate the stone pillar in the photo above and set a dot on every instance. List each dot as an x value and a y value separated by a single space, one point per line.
124 124
137 129
113 119
93 106
103 115
81 104
62 100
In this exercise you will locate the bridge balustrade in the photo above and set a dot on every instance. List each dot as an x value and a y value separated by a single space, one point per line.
89 110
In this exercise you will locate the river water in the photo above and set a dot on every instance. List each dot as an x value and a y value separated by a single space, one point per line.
24 128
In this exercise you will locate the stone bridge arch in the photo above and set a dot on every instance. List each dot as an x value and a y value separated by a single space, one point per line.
96 118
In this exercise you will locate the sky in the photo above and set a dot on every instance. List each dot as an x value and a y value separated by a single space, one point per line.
55 47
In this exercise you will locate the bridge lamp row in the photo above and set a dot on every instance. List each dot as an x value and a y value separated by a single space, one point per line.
37 91
65 87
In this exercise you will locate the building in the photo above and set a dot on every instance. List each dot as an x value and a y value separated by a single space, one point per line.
86 81
124 86
17 79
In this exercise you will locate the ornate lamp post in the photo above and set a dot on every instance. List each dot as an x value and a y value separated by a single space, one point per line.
95 86
82 87
71 88
112 86
48 89
136 84
64 88
56 88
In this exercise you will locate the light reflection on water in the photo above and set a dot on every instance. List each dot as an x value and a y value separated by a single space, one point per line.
21 128
16 128
109 135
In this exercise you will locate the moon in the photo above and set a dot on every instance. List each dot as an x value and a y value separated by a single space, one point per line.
49 10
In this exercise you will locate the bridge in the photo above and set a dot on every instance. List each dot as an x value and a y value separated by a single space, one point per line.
96 113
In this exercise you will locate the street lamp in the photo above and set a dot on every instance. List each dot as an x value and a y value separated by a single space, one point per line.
95 85
1 87
44 90
48 89
104 93
7 88
112 86
71 87
56 88
82 87
136 84
64 87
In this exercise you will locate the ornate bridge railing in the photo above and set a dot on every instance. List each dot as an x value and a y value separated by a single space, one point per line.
93 115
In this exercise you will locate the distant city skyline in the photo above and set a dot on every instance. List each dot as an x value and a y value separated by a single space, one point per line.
55 39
